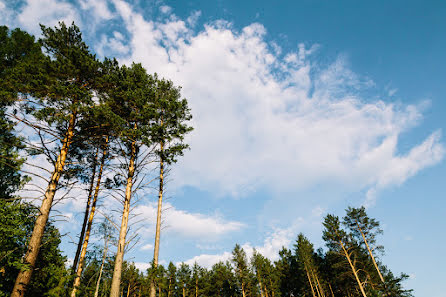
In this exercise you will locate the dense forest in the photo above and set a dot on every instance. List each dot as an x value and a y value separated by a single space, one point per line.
70 121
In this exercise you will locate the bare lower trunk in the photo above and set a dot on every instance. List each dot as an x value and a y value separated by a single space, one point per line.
260 285
319 285
104 255
77 279
86 213
158 220
370 252
243 290
315 284
32 252
116 280
196 287
353 269
168 290
311 283
331 290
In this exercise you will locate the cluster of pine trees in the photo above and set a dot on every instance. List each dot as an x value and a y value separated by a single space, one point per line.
115 129
95 122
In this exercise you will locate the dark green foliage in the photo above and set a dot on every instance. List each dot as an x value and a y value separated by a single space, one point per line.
17 222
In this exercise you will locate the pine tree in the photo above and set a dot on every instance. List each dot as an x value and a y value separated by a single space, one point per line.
60 103
338 241
131 100
169 131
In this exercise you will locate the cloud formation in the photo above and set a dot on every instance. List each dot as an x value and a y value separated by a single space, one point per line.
185 224
264 118
271 246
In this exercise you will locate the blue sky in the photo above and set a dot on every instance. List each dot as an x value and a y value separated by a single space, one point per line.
300 108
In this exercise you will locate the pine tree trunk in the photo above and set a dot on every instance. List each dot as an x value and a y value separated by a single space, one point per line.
158 219
168 290
243 290
331 290
77 279
319 285
196 287
353 269
86 213
104 255
311 283
116 280
260 284
370 252
24 276
315 284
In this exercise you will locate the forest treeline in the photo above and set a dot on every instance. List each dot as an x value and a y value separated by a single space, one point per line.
70 121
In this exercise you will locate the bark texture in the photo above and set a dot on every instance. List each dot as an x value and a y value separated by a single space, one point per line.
158 221
116 280
86 213
32 252
77 278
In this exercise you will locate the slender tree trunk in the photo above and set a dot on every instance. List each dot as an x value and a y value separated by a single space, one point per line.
158 219
331 290
24 276
168 290
128 290
86 213
370 252
243 290
104 255
311 283
260 284
319 285
316 285
184 291
196 287
77 279
353 268
116 280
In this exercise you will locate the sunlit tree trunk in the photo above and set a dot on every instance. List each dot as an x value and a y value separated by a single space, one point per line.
331 290
355 273
319 285
309 280
116 280
79 269
32 252
104 256
370 252
158 216
86 213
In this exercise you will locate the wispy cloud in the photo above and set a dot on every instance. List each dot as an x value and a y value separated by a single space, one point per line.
186 224
282 121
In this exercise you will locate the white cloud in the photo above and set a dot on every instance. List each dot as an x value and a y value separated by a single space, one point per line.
193 18
146 247
276 120
99 7
398 169
46 12
318 211
271 246
190 225
143 266
165 9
